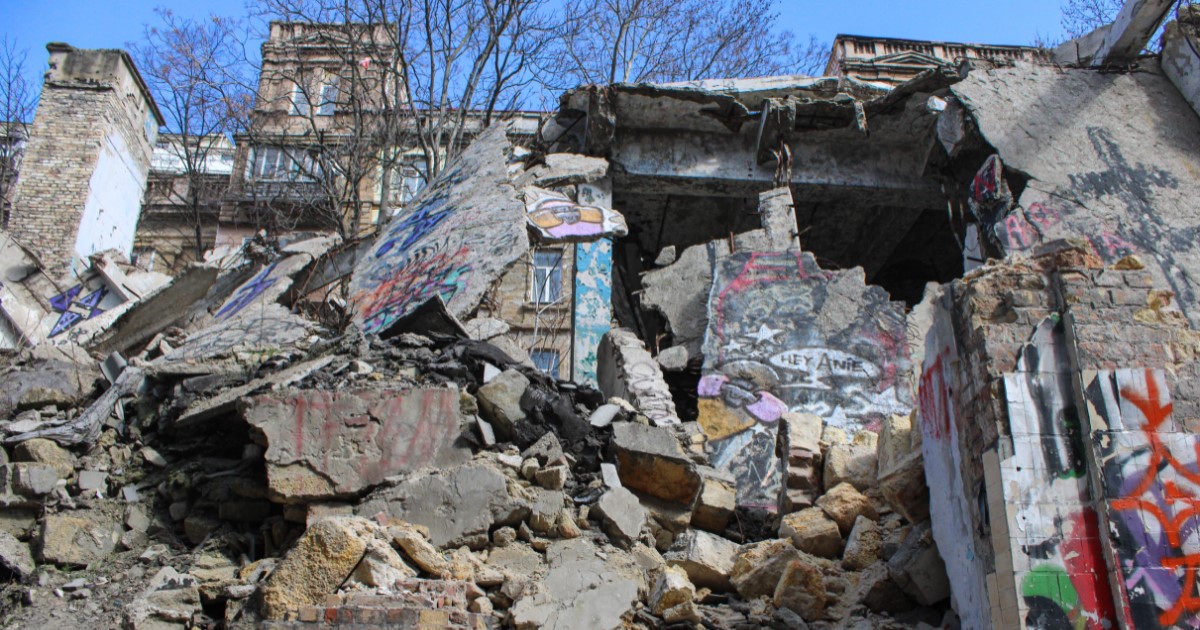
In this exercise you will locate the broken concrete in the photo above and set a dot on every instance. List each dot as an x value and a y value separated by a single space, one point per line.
472 228
706 558
626 370
650 460
325 445
459 506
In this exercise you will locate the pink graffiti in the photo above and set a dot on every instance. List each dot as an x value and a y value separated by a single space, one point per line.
1111 247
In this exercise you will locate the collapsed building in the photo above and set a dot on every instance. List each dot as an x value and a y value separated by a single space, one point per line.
841 355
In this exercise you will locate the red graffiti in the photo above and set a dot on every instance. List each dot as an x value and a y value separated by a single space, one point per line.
1083 559
1043 216
933 398
1158 494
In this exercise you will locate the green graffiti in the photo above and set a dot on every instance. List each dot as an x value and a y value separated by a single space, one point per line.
1052 583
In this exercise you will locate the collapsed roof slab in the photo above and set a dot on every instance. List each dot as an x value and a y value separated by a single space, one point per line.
1112 158
708 137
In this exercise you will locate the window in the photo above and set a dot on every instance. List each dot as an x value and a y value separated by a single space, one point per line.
329 97
546 361
300 103
406 182
284 164
545 283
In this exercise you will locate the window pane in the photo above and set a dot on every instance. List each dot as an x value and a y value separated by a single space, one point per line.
546 280
300 105
329 96
546 361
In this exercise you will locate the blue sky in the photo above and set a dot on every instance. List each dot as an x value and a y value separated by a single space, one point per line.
113 23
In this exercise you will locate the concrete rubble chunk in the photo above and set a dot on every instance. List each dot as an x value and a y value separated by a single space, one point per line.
323 445
650 460
562 169
608 472
902 470
863 546
801 589
918 568
759 567
316 565
625 369
804 431
458 506
169 601
673 359
500 402
672 596
485 328
843 503
580 590
622 515
604 415
812 531
706 558
679 290
78 538
553 477
547 450
471 213
544 511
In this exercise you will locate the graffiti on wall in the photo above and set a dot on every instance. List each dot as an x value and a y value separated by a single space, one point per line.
593 306
949 505
783 335
248 293
74 306
557 217
463 231
1057 558
1151 485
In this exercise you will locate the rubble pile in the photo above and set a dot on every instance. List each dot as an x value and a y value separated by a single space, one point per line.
247 465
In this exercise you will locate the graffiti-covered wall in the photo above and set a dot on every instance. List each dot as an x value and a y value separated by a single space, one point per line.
1068 477
784 335
466 228
593 306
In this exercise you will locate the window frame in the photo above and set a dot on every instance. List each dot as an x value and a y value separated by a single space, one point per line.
551 282
541 355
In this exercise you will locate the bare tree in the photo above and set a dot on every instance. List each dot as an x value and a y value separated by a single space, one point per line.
383 85
1080 17
610 41
191 67
18 100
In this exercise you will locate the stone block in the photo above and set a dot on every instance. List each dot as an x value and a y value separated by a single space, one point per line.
500 402
716 503
33 480
459 506
650 460
812 531
16 556
852 463
803 431
316 565
801 590
706 558
863 546
334 444
843 503
904 488
48 453
759 567
918 568
622 516
78 538
671 596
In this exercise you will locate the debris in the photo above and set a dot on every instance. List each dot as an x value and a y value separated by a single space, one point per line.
650 460
706 558
500 402
622 515
671 596
77 538
323 445
316 566
844 504
627 370
812 531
